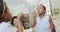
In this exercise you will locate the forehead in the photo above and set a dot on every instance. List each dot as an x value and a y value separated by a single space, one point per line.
40 6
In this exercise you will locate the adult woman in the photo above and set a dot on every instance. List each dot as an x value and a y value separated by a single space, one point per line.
6 16
44 22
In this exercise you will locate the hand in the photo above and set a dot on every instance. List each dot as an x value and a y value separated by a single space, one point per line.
18 25
20 16
16 21
34 14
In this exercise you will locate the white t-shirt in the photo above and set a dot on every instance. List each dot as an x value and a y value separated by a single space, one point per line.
5 27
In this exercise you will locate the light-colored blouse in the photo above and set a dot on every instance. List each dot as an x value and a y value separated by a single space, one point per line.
5 27
43 24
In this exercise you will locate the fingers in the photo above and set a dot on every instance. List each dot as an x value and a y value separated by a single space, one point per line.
20 16
17 21
34 14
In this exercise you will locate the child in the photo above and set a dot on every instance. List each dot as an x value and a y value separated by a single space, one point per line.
14 23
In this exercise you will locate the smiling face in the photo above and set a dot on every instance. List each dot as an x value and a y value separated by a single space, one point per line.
15 22
41 9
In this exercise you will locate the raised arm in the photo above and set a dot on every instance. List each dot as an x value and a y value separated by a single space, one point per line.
51 23
33 22
19 19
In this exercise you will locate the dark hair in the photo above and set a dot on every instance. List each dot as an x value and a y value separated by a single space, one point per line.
2 9
43 7
13 20
2 6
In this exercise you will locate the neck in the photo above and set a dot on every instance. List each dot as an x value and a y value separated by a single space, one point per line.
41 15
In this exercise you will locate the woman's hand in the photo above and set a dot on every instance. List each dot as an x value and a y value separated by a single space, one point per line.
20 16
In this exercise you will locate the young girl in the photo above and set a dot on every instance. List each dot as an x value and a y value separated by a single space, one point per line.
44 22
14 23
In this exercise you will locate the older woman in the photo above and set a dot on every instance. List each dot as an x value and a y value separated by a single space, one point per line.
6 16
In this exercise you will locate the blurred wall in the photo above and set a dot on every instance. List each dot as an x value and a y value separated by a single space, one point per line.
56 18
16 6
55 4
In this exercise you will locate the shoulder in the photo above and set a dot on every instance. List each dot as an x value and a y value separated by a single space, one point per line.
49 16
6 27
9 28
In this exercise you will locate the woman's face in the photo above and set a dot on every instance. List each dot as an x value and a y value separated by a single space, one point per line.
7 16
40 9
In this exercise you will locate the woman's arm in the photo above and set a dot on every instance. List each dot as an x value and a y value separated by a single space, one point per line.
20 29
51 23
33 22
19 19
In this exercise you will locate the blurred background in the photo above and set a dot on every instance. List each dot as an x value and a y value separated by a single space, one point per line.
27 6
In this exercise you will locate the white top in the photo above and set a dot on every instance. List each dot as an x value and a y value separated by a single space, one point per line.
43 24
5 27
